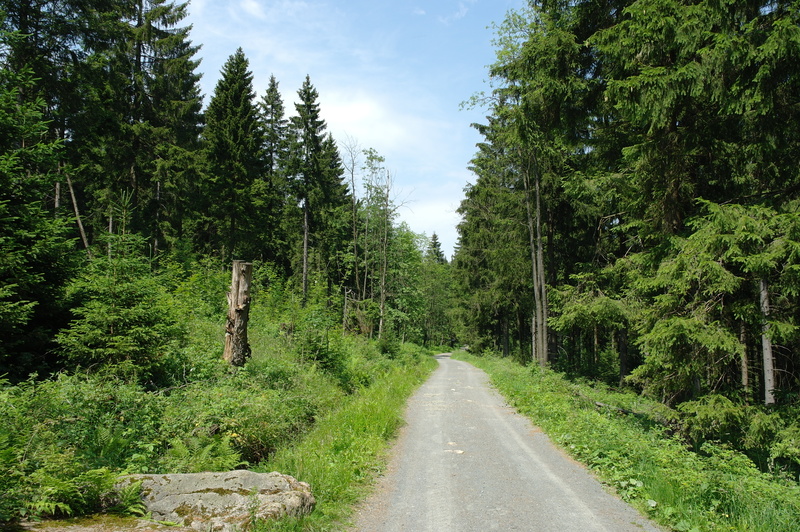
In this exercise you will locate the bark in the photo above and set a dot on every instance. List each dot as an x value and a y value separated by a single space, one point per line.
385 259
78 216
541 284
624 361
506 349
745 369
237 348
305 250
539 341
766 345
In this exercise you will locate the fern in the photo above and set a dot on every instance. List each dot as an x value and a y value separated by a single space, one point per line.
55 497
195 454
109 446
129 501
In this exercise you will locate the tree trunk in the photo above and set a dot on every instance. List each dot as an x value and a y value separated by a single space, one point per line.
384 266
78 216
541 283
745 369
539 341
506 350
305 251
766 345
237 348
624 361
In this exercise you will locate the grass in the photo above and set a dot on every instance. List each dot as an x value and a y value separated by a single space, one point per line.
346 450
717 489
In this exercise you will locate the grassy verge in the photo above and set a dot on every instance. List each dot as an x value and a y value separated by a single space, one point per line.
715 490
347 449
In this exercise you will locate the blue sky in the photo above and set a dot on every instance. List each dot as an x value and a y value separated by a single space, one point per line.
391 75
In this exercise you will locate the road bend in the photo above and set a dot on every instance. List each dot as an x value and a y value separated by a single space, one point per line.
466 461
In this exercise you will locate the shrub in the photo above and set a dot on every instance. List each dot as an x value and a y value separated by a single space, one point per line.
123 315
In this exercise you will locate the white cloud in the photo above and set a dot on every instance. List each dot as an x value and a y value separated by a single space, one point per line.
253 8
461 12
433 210
377 85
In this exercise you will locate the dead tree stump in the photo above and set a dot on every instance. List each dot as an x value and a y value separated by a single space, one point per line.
237 348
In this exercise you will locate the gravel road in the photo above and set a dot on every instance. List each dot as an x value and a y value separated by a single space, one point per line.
466 461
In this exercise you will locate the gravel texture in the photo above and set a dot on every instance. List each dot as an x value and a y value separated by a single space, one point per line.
466 461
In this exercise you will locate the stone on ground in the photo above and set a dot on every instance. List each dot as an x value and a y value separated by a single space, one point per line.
222 501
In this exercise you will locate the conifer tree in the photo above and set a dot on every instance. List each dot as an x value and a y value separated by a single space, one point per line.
317 179
434 251
233 139
270 193
36 257
137 132
176 121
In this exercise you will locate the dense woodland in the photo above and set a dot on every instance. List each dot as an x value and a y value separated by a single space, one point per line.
112 166
638 183
634 220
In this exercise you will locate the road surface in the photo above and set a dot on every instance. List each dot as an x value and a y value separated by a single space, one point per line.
466 461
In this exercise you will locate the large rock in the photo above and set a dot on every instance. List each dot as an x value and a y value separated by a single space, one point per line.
222 501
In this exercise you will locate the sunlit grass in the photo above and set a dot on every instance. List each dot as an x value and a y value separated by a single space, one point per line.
716 490
346 450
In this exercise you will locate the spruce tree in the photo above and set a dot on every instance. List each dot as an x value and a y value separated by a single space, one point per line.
36 257
317 180
434 251
233 139
270 192
176 119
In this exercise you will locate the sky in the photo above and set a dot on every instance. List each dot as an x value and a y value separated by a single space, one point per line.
391 75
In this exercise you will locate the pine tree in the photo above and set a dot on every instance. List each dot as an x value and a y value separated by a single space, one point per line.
176 120
434 251
136 124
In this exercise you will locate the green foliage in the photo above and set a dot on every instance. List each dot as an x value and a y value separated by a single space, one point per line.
233 143
35 252
69 437
128 500
346 450
715 489
668 187
195 454
712 417
786 447
124 316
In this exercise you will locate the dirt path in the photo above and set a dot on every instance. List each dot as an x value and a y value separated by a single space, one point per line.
468 462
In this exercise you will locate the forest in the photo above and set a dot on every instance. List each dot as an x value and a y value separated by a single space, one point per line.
638 182
634 222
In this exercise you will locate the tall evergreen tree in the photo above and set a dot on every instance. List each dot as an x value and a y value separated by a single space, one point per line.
438 296
234 142
176 119
35 254
270 193
318 183
625 115
434 251
135 128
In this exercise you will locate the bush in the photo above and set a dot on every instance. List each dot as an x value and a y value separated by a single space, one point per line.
123 316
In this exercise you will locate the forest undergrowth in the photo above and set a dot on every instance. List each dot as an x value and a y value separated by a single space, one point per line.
647 462
67 438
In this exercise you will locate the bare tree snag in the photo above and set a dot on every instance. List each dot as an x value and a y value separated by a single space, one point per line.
766 345
78 217
237 348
